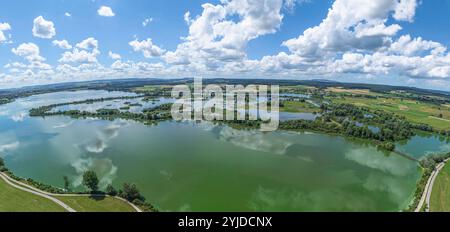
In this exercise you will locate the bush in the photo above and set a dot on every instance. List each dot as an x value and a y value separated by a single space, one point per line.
145 206
131 193
110 190
388 146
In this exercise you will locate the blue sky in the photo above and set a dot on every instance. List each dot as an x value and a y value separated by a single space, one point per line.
398 42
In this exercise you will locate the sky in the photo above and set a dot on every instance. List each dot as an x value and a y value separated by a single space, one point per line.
395 42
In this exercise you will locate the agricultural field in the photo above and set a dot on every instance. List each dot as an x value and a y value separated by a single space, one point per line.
416 112
296 89
153 88
350 91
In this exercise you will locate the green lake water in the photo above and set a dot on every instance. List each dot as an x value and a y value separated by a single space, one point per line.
203 167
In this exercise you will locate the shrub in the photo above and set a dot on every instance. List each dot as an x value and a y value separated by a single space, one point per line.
110 190
131 192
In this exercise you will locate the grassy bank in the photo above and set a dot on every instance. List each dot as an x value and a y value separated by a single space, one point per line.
96 204
15 200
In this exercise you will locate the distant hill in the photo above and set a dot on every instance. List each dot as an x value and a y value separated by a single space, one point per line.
125 84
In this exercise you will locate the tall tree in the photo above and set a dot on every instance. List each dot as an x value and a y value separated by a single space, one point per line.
66 183
90 180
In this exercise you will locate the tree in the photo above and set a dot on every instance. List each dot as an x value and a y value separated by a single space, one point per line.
388 146
66 183
2 165
110 190
90 180
131 192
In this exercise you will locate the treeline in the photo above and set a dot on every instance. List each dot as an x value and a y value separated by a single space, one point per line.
432 161
5 101
40 111
43 110
428 128
150 115
352 121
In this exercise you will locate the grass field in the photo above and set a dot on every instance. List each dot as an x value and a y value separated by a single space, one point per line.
104 204
15 200
440 197
153 88
416 112
298 107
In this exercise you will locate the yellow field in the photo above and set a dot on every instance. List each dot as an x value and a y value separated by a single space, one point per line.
350 91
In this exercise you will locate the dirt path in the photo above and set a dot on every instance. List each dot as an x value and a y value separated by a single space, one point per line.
442 119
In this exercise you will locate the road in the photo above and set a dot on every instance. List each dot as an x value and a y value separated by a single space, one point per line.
50 196
426 196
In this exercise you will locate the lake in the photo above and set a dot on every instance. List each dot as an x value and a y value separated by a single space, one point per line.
184 166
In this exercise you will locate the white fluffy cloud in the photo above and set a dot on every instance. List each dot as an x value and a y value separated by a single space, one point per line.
147 48
105 11
29 51
63 44
78 56
350 24
356 37
4 27
85 52
88 44
43 28
114 56
215 39
405 10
